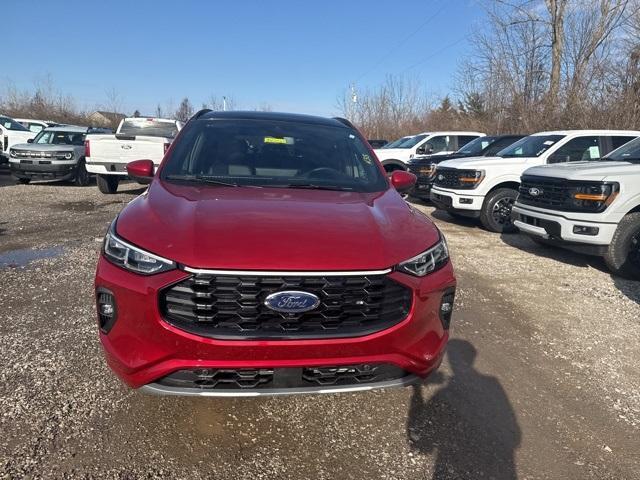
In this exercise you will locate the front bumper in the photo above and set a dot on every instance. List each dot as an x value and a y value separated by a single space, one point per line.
559 227
58 170
463 204
142 348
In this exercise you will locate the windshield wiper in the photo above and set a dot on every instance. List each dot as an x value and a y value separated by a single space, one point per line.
207 179
313 186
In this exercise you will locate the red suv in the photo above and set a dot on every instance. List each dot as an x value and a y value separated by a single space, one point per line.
272 255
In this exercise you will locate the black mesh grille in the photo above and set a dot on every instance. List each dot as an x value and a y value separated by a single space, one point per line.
232 307
548 192
447 177
281 378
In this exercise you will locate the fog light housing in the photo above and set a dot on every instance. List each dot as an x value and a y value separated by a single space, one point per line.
585 230
466 201
446 307
107 310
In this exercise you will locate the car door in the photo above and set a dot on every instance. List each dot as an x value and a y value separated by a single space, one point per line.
578 149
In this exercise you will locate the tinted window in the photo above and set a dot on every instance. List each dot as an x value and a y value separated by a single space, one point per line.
273 153
475 146
630 152
11 124
397 142
532 146
617 142
463 140
499 144
149 127
577 150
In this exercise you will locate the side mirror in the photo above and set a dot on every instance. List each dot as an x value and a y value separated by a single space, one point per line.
403 181
421 150
141 171
30 140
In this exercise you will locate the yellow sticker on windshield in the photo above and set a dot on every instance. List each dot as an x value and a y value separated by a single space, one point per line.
366 158
275 140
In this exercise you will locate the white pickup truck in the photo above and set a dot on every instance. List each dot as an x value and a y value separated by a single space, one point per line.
591 208
107 156
487 187
11 133
396 156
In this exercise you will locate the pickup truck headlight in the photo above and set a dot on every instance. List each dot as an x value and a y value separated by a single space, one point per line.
428 261
593 197
470 178
133 258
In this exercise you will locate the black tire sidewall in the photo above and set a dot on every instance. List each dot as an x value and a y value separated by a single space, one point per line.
486 215
107 184
82 176
617 254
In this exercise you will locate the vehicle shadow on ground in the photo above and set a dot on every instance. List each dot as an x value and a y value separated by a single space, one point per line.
462 221
629 288
468 423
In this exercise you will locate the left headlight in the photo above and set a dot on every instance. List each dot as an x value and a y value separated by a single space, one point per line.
428 261
133 258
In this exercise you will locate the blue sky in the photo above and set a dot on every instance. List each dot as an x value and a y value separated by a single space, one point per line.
293 55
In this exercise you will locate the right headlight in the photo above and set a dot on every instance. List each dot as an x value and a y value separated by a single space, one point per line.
428 261
133 258
470 178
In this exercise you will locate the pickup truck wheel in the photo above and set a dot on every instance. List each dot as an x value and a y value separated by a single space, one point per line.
623 255
496 211
24 181
82 176
107 184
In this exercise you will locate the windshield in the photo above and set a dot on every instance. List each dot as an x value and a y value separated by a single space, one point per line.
149 127
629 152
11 124
412 141
273 154
532 146
397 142
49 137
476 146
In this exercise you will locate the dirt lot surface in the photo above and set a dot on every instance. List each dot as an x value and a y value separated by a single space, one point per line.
542 378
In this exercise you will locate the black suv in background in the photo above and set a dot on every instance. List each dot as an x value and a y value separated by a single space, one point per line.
424 166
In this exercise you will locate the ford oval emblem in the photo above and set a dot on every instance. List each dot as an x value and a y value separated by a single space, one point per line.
292 301
125 147
535 192
440 177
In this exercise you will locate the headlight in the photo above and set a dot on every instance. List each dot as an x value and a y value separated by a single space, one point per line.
593 197
132 258
470 178
68 155
429 261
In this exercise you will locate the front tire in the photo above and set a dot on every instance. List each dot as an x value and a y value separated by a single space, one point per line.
496 211
108 184
623 254
82 176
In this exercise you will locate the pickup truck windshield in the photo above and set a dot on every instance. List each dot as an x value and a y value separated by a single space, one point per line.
48 137
11 124
397 142
532 146
282 154
148 127
411 142
629 152
476 146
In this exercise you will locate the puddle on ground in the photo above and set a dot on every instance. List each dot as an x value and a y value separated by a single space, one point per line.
22 257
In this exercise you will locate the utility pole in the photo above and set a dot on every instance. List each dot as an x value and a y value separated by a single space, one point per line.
354 101
224 103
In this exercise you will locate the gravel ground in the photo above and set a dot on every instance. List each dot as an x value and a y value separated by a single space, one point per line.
541 378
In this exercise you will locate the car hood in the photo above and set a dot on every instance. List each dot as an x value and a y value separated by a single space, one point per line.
217 227
43 147
483 162
585 170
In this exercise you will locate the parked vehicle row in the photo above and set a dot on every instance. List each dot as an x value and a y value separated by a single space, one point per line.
578 189
136 138
397 154
56 153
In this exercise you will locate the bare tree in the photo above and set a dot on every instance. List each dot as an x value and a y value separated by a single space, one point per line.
184 111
